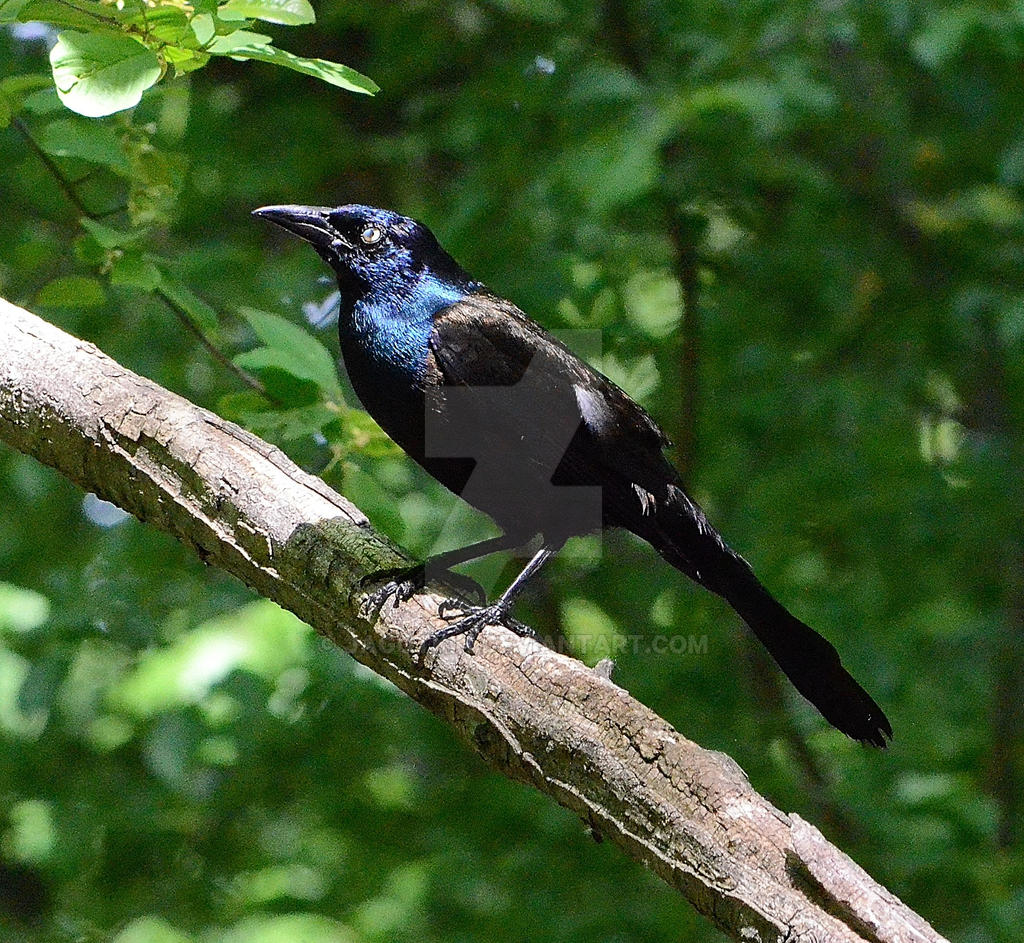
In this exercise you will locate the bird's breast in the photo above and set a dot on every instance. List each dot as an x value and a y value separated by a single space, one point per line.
385 343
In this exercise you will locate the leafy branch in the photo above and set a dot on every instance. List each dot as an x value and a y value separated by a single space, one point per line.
109 54
293 391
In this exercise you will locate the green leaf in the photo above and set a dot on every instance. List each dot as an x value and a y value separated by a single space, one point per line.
107 236
289 927
276 370
44 101
97 74
204 28
589 629
88 251
759 101
134 270
653 302
281 426
9 10
22 610
292 349
33 833
991 206
17 86
240 39
945 34
90 141
243 44
71 291
285 12
69 15
15 89
167 24
198 310
185 60
14 671
150 930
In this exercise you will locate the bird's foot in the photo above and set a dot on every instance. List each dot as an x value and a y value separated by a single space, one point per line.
402 583
470 621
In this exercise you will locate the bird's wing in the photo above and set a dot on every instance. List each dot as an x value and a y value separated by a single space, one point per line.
485 341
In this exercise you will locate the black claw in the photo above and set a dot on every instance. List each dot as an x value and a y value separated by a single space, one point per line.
402 583
472 621
447 605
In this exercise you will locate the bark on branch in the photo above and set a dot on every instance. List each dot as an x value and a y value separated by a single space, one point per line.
535 715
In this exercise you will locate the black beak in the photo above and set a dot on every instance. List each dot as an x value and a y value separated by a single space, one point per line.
307 222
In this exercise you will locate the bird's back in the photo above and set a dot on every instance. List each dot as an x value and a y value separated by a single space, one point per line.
559 448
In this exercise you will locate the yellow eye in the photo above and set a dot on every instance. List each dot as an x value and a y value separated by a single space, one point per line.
371 235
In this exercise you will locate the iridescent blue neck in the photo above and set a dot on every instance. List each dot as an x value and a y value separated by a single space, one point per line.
392 327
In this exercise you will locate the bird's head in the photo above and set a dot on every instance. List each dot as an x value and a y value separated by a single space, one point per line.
370 249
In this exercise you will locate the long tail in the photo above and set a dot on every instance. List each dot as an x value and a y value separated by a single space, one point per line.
681 533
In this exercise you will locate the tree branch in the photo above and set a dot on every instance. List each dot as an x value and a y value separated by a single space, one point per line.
537 716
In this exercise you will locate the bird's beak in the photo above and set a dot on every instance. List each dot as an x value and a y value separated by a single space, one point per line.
307 222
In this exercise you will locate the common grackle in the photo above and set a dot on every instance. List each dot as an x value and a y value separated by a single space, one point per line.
503 414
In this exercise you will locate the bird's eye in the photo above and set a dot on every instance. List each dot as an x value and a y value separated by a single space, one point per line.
371 235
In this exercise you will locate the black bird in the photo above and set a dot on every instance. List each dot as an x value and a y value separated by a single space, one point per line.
503 414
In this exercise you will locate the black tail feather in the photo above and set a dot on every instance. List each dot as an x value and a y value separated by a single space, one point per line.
812 664
682 535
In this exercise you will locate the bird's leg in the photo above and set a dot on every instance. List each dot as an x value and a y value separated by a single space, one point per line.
473 619
404 582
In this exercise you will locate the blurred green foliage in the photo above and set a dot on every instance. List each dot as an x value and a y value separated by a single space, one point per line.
837 193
